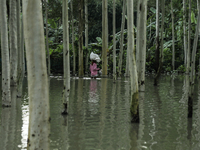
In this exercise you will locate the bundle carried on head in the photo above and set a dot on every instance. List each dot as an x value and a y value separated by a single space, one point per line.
95 57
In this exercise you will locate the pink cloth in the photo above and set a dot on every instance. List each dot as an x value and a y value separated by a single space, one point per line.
94 69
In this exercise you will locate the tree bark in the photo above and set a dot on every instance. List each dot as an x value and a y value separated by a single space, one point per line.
141 43
104 37
86 36
184 32
13 43
114 41
6 96
173 40
66 63
122 39
81 72
74 53
38 89
133 68
189 41
157 37
161 49
47 36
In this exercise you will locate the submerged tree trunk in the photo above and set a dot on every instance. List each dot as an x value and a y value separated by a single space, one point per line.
47 36
5 90
133 68
157 53
38 89
80 28
66 56
173 40
162 47
122 39
104 37
114 41
189 41
184 32
141 43
86 36
74 53
13 42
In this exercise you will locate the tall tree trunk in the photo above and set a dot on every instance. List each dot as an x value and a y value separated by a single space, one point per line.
47 36
173 40
122 39
74 53
66 56
80 27
133 68
189 42
114 41
157 53
184 32
104 37
39 117
18 12
5 92
161 48
13 42
86 35
141 43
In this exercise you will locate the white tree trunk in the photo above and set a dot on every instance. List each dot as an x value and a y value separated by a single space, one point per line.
195 49
122 39
47 38
66 55
13 42
157 34
114 41
104 37
173 40
184 32
38 89
189 40
133 68
86 36
141 43
74 53
6 97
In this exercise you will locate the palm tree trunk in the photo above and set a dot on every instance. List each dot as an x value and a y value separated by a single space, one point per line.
141 43
38 89
133 68
114 41
6 96
173 40
66 56
122 39
184 32
86 35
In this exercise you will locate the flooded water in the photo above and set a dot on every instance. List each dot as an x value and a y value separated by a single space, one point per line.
99 117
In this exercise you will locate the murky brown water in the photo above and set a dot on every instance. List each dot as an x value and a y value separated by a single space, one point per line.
99 117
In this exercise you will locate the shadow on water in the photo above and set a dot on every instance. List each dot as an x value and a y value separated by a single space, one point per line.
99 116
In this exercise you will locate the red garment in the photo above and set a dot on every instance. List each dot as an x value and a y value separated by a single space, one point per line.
94 69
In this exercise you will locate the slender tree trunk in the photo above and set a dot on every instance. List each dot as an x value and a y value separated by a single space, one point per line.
13 42
86 35
114 41
104 37
74 53
141 43
173 40
66 56
195 49
184 32
38 89
127 74
161 49
157 36
47 36
18 12
133 68
22 48
5 92
189 41
81 72
122 39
